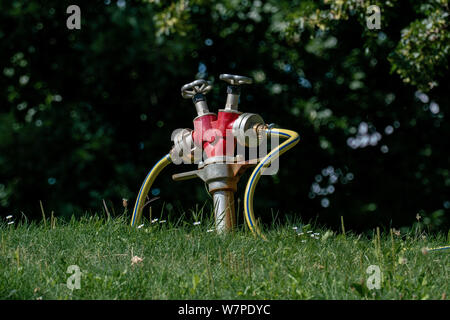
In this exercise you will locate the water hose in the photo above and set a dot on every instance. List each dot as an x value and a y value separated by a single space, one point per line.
426 250
145 188
292 139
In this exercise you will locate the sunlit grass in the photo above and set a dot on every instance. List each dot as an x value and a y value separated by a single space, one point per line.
185 261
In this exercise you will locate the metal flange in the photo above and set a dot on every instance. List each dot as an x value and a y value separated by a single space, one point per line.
244 129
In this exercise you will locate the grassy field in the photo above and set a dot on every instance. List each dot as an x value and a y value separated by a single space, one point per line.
184 261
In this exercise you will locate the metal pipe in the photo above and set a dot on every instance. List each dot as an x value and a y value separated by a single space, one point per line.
232 98
234 89
224 212
201 107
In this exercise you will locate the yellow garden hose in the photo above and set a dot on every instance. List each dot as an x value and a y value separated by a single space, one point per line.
145 188
292 139
426 250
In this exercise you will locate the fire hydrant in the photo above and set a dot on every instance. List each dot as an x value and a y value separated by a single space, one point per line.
217 144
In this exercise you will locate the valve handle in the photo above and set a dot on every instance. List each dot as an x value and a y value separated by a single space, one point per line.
235 80
195 87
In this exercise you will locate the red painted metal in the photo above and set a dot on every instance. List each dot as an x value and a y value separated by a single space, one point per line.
210 132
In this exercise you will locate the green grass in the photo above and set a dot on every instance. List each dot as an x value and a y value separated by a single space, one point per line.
182 261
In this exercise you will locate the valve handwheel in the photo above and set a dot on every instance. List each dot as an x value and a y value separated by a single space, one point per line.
235 80
234 89
195 87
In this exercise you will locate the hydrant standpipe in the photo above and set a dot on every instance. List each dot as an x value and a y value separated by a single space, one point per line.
217 144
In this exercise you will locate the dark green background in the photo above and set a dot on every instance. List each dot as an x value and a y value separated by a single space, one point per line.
85 113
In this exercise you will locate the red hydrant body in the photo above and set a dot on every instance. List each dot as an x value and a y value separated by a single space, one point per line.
212 133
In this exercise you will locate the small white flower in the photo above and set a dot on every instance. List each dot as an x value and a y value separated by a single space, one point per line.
141 226
303 241
316 234
196 223
309 231
136 260
295 228
10 222
162 221
9 217
301 233
154 220
210 230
